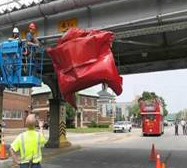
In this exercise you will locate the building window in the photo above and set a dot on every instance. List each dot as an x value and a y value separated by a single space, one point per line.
21 91
12 114
85 101
92 102
78 100
109 111
37 103
85 119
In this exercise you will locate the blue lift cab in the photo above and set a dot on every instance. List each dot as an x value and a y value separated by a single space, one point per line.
21 66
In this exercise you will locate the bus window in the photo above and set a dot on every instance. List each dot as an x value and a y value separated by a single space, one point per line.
151 117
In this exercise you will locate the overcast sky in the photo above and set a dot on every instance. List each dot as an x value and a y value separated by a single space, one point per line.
171 85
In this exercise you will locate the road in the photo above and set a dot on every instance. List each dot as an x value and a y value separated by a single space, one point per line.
127 150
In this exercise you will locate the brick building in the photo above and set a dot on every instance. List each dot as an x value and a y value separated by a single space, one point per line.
100 107
92 107
87 106
16 106
87 111
40 102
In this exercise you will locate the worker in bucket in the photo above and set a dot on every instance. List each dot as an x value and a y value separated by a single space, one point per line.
15 34
31 39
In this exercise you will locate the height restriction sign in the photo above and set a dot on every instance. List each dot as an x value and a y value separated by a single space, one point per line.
67 24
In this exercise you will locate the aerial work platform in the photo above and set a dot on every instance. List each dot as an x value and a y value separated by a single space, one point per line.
20 65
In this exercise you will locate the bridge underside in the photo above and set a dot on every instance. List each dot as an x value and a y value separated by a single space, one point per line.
154 40
150 35
151 47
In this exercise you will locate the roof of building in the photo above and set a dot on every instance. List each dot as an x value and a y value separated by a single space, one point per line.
171 117
7 6
89 92
45 89
39 90
105 94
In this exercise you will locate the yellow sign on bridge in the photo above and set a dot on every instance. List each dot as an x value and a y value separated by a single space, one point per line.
67 24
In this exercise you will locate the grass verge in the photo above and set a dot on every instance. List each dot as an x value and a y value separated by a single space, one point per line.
88 130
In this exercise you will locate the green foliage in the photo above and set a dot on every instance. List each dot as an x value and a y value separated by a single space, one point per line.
151 95
70 115
148 96
119 118
182 114
70 112
135 110
103 126
89 130
95 125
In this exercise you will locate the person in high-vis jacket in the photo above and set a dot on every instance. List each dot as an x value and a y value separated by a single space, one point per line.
29 145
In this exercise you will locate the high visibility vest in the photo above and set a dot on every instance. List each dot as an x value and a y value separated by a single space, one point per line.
29 144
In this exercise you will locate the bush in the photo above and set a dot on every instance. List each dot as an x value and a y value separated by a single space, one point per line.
103 126
92 125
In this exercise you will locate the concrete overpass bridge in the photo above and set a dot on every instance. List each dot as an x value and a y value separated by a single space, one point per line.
150 36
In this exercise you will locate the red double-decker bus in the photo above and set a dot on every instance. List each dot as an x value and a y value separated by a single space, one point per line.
152 117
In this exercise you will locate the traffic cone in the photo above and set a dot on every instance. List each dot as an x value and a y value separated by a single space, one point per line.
158 163
3 151
153 153
163 165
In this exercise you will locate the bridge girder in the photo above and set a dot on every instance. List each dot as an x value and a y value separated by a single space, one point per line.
147 32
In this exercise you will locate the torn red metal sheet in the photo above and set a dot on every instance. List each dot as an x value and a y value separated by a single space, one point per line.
83 59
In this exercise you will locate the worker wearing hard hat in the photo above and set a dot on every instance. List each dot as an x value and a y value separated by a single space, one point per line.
15 34
31 39
29 144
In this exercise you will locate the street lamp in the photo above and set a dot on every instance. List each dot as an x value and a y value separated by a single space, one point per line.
111 111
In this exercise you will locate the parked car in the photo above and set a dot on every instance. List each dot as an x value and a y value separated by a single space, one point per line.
122 126
165 123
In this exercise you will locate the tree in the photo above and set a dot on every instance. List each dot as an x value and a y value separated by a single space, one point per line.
165 111
151 95
134 110
148 96
70 115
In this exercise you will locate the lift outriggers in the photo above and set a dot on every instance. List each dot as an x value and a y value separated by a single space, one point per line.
21 66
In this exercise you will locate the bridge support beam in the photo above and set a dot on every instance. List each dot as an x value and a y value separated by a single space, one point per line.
53 141
57 111
62 125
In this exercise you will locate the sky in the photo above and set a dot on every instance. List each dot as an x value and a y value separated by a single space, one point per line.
170 85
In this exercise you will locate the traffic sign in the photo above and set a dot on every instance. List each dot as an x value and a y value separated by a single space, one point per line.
65 25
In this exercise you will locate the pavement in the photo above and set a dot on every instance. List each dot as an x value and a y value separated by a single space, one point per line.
48 153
